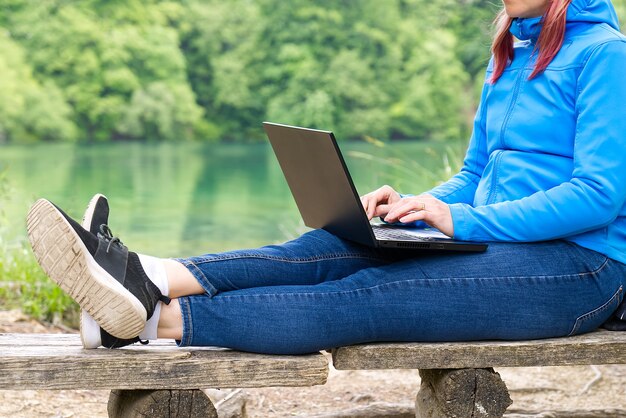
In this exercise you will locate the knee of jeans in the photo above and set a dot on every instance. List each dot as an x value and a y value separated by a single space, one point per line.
321 234
593 319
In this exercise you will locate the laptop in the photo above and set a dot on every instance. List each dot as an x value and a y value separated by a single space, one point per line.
321 185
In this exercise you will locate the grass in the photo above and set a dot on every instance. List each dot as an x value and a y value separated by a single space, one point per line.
407 171
24 285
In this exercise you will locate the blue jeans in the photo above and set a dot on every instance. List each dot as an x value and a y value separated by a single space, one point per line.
319 291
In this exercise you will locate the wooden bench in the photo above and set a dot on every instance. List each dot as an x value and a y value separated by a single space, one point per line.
157 380
458 379
161 379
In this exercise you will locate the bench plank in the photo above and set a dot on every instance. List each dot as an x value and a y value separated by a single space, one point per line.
598 347
58 361
71 340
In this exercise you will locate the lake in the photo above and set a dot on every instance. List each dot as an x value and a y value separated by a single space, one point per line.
180 199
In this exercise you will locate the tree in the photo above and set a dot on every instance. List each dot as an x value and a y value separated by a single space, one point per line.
221 45
29 111
100 66
208 69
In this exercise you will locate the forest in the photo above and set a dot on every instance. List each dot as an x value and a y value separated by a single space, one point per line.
158 70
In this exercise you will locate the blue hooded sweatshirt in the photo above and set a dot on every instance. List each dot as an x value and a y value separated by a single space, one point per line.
547 157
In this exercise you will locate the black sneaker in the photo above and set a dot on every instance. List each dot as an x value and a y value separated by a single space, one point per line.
97 272
91 335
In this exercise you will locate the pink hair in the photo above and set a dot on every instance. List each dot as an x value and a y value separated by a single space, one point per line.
549 42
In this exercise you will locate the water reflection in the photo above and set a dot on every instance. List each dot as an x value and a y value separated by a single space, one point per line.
184 199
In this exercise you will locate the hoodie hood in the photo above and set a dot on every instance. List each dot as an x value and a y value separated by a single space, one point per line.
593 11
579 11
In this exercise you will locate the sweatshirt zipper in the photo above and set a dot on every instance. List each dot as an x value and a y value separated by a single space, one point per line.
507 117
509 111
494 178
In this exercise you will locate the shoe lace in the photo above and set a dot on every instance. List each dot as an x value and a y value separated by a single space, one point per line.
106 234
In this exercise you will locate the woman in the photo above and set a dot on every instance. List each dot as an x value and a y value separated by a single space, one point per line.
542 180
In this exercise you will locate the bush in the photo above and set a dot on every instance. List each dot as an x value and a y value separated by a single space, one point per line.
24 285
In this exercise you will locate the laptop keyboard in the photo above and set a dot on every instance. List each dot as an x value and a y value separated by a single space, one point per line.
393 234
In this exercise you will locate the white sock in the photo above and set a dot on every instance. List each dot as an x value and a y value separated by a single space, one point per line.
155 270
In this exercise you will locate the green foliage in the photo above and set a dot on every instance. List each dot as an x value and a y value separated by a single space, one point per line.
160 111
472 25
206 69
111 73
620 7
23 285
347 66
29 110
22 282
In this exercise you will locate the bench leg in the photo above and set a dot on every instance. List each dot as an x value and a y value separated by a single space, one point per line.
160 403
461 393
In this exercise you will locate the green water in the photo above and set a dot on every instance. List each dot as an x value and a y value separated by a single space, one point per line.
190 198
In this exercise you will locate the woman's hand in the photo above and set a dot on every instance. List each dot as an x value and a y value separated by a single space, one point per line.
378 202
422 208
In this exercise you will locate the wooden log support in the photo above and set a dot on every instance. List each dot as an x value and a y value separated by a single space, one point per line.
476 390
460 393
160 403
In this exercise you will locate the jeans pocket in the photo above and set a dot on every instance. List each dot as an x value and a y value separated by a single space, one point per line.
593 319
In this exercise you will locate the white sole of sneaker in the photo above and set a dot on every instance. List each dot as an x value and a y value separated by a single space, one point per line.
65 259
89 328
89 331
91 208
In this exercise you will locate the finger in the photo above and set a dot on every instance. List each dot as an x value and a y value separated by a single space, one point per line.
413 217
371 207
402 207
390 195
417 205
366 195
380 198
394 210
384 193
374 201
378 195
381 210
374 193
365 202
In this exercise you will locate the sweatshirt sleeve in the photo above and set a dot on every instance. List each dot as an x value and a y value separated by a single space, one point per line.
596 192
462 186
